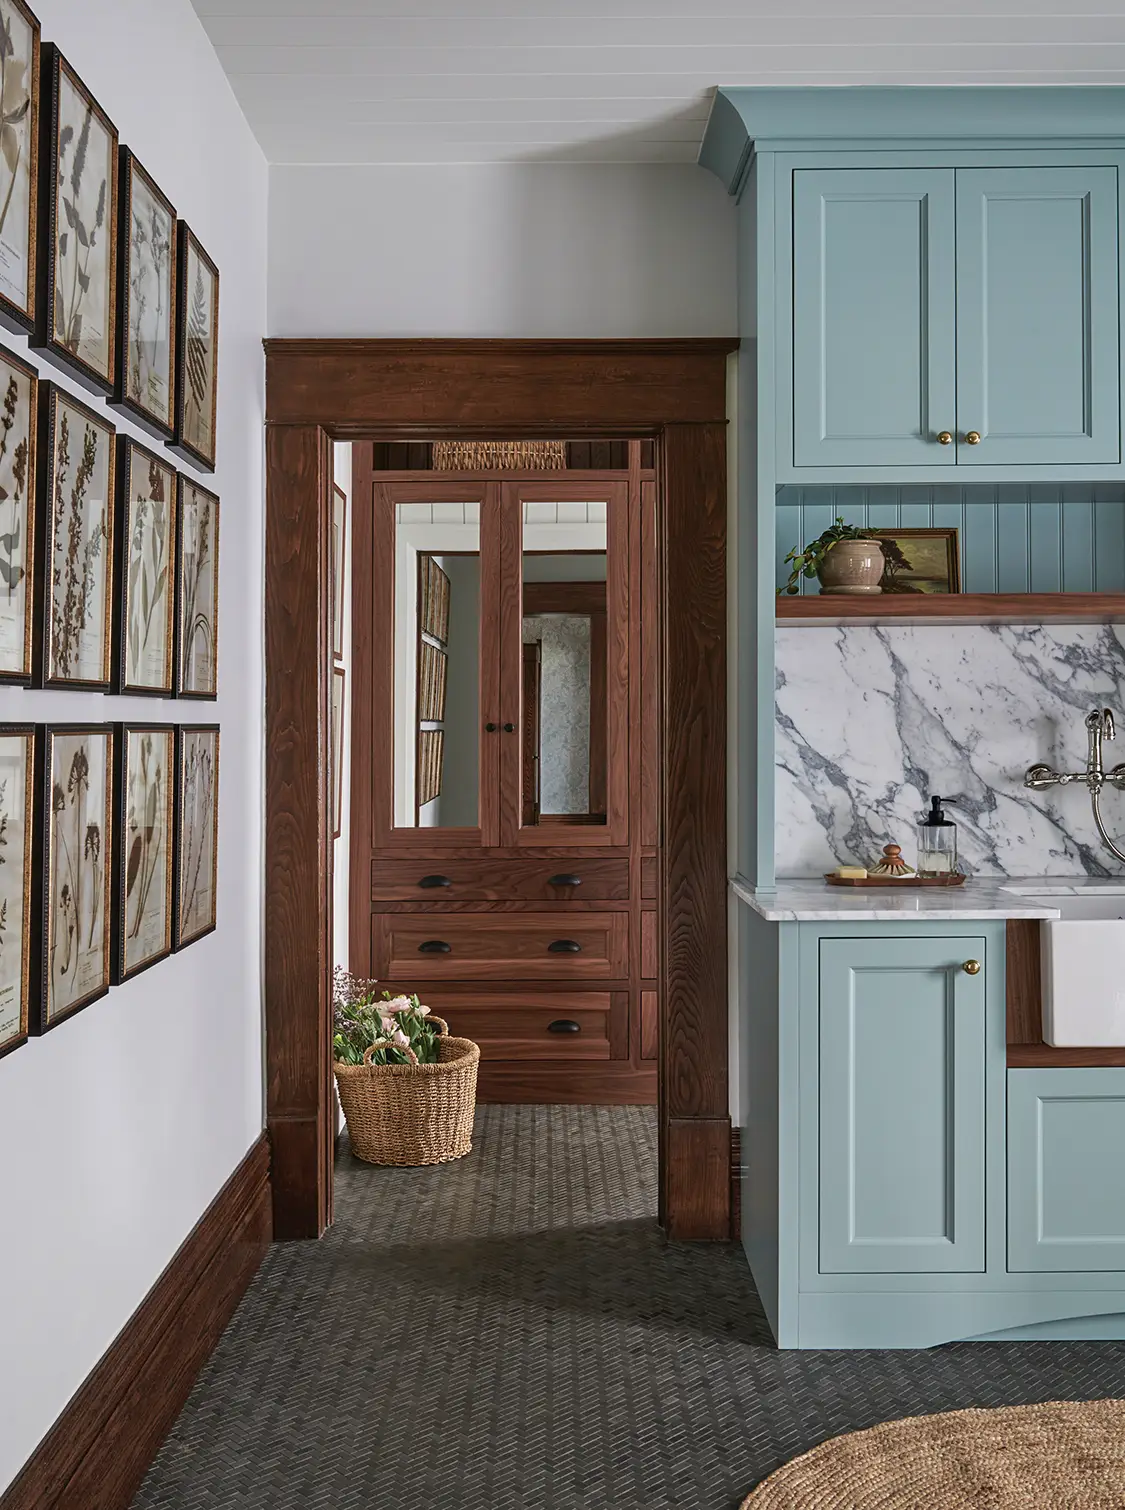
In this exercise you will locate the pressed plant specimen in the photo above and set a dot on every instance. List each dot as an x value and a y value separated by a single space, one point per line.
19 149
19 387
12 571
16 754
197 372
82 269
76 867
148 594
198 831
148 372
199 563
146 838
78 586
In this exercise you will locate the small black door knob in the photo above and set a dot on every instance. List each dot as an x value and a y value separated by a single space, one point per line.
490 728
509 728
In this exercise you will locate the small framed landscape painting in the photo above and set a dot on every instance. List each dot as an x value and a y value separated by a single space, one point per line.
921 560
197 352
17 806
145 602
77 322
197 592
19 435
145 760
146 301
19 163
339 678
76 817
197 832
75 528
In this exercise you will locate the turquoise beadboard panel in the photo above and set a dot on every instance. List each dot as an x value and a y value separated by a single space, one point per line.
1014 537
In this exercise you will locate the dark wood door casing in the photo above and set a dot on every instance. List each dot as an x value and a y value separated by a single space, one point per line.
672 391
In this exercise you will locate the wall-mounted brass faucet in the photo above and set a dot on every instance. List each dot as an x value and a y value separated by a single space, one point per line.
1099 727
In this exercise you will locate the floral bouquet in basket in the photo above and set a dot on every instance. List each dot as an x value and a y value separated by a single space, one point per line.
398 1028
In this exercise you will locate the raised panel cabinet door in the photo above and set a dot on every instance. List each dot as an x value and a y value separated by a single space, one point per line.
902 1106
874 341
1038 327
1066 1174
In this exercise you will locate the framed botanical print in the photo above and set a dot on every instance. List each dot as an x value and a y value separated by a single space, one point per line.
146 301
339 552
145 618
145 763
197 351
197 592
77 323
197 832
75 555
19 437
17 808
19 164
75 842
339 677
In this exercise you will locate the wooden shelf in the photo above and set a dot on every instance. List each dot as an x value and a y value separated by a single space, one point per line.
955 608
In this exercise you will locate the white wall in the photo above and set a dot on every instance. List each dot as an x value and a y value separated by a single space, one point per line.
119 1127
506 250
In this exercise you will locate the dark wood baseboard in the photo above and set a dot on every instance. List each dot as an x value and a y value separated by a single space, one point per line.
697 1172
591 1083
736 1184
97 1452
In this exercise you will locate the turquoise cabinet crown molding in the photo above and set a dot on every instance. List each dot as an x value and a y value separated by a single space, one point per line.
745 120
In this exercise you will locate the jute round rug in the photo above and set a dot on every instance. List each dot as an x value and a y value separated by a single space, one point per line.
1062 1456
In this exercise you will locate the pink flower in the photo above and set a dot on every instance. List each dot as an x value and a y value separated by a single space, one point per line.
399 1039
399 1004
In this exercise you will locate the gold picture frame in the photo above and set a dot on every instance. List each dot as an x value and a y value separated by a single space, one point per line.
933 559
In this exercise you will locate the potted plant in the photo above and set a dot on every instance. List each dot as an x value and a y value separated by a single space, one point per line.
407 1089
848 558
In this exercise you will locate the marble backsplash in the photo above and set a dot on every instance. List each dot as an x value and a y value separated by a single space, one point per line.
871 721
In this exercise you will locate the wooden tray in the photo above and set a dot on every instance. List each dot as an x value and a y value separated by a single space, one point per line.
956 879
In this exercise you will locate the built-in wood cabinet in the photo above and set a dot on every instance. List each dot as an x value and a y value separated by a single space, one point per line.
504 781
946 317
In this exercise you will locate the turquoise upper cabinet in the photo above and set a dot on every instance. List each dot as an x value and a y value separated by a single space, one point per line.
902 1056
873 317
1037 315
955 317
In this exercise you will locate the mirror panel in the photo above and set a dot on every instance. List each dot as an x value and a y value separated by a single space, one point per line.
437 628
564 702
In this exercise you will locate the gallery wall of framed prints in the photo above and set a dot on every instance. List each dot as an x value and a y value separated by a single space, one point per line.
109 552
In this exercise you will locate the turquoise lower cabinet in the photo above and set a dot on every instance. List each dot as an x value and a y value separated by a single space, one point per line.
1066 1170
1038 371
902 1106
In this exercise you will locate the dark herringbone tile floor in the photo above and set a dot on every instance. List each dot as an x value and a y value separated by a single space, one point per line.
511 1332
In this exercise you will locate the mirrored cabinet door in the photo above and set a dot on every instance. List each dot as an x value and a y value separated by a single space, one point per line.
565 664
436 584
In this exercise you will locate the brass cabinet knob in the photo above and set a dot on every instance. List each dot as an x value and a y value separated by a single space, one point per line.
971 967
945 438
973 438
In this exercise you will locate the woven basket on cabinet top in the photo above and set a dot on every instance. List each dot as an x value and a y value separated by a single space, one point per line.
412 1114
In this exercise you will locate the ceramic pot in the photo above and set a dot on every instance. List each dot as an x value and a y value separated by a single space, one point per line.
853 567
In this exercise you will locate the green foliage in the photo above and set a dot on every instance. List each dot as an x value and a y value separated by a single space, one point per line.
398 1028
807 563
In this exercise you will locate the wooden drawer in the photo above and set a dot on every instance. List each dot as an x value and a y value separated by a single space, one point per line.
436 945
488 879
530 1026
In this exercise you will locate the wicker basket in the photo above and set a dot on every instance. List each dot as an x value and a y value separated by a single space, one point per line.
412 1114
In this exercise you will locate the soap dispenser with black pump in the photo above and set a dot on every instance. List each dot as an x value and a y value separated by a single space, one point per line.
937 847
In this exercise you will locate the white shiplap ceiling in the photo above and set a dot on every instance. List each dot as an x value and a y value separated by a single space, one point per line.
454 81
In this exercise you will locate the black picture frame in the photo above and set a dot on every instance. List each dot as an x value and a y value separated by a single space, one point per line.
11 1041
22 675
14 315
187 872
189 245
52 784
54 71
160 425
191 623
129 455
51 396
131 865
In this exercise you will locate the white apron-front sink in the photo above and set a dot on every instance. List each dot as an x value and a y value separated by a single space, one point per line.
1083 957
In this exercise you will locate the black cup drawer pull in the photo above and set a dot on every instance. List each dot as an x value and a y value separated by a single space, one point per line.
564 946
435 946
564 1025
565 880
428 882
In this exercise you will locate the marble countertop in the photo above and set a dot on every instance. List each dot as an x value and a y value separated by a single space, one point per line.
981 898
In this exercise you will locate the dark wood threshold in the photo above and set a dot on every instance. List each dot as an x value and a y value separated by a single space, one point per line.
98 1451
1026 1049
955 608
